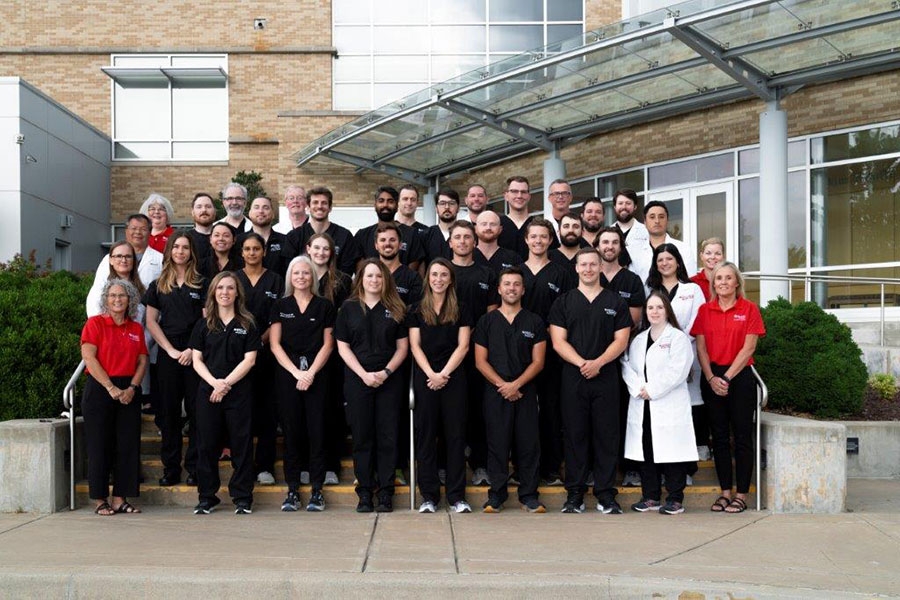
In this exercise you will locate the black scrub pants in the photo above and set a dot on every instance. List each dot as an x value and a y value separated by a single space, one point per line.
440 416
302 418
335 415
624 400
265 422
176 382
373 414
675 472
506 423
548 384
231 416
403 416
113 436
732 414
590 412
476 437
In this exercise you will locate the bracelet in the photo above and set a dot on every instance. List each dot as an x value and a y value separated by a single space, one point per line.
136 387
388 371
726 378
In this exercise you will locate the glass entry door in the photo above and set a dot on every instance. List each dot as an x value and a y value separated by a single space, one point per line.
701 212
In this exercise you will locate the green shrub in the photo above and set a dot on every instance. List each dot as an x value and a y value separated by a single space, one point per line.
884 385
251 181
809 361
41 316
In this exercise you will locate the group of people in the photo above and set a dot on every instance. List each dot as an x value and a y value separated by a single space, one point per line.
562 346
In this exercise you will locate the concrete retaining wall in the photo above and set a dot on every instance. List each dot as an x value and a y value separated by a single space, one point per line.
34 464
806 465
879 449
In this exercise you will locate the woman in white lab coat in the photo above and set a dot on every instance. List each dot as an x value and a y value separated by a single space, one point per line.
660 431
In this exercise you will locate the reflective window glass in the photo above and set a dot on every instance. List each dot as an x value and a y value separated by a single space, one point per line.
748 226
458 11
517 10
401 11
353 40
748 160
400 39
558 33
856 144
565 10
353 68
351 11
458 38
515 38
401 68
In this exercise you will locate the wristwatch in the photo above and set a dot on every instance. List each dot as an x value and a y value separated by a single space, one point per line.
135 387
388 371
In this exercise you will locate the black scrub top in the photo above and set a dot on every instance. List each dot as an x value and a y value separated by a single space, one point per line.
476 287
346 251
371 333
438 342
627 285
510 345
341 290
411 248
209 268
224 348
591 326
260 298
435 245
501 259
179 310
513 238
561 259
202 247
273 260
303 333
409 285
544 287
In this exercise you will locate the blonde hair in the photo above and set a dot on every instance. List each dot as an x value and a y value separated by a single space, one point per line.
289 287
737 274
168 278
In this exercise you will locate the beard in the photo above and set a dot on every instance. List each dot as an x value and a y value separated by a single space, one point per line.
386 215
593 228
570 240
235 213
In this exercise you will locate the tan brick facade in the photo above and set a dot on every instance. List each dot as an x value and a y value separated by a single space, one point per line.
60 47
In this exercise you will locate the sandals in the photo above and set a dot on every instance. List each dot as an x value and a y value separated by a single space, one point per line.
104 510
720 504
126 509
737 505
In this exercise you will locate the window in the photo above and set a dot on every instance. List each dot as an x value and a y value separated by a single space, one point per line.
169 107
390 50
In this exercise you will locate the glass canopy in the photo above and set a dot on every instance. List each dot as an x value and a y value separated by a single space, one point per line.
689 56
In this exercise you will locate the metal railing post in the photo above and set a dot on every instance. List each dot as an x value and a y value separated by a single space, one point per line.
68 397
762 398
412 446
882 314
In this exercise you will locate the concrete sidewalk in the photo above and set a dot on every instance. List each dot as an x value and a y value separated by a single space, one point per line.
169 552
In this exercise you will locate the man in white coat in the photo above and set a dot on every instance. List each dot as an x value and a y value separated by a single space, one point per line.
656 220
660 430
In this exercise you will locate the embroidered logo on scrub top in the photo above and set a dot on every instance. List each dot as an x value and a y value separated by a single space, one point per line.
239 331
272 295
387 314
337 249
665 345
553 287
505 265
483 285
402 290
686 297
528 334
275 247
740 317
402 246
287 315
625 294
194 295
610 312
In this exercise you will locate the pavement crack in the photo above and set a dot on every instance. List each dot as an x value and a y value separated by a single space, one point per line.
453 544
886 534
369 546
20 525
707 542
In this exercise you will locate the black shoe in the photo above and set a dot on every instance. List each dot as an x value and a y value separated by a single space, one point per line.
365 506
191 480
204 507
243 508
611 508
574 504
385 504
169 480
493 505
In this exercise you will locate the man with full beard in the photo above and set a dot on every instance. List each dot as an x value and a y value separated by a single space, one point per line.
489 252
436 245
386 202
570 241
234 199
592 215
203 212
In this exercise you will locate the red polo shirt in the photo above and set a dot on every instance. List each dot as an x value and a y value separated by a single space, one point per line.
118 346
158 241
725 331
701 280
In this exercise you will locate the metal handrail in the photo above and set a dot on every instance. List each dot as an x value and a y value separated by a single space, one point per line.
762 399
412 444
812 278
68 398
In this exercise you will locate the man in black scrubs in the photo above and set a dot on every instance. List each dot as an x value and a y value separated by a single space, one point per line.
510 343
411 251
203 212
347 253
436 245
407 205
517 196
617 278
234 199
589 327
488 252
592 217
571 241
476 289
545 281
261 215
476 201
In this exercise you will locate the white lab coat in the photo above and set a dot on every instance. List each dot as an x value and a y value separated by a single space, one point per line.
642 255
686 304
668 362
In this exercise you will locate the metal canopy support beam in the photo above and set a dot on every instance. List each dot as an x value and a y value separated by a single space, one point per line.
427 141
514 129
393 171
481 158
734 67
854 67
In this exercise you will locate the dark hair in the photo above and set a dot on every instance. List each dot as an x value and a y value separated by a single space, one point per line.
517 179
655 204
139 217
510 271
410 187
670 314
321 190
592 200
654 279
478 185
450 193
628 193
201 195
252 235
612 229
462 223
390 190
450 308
539 222
588 250
383 226
571 215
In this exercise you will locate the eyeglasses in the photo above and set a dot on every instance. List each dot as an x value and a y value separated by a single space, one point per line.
137 229
122 257
231 198
445 203
561 194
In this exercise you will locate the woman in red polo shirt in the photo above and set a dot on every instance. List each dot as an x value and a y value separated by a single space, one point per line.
727 329
112 346
712 252
159 210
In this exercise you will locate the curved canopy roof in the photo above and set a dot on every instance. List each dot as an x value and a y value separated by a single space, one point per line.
693 55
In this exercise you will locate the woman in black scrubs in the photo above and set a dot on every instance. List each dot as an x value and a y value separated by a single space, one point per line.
263 287
225 345
223 256
301 336
372 340
334 285
439 333
174 305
